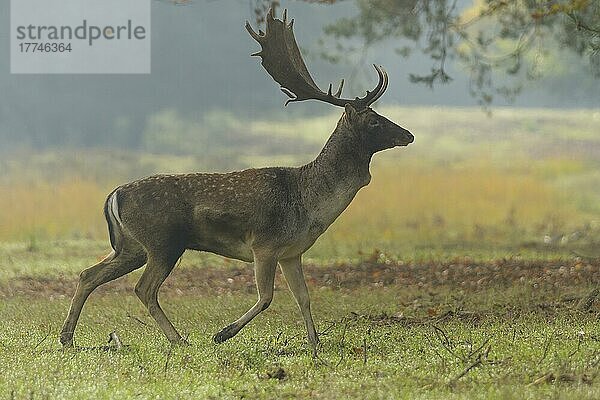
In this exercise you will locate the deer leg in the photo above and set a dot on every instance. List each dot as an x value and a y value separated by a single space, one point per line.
292 271
264 274
112 267
157 270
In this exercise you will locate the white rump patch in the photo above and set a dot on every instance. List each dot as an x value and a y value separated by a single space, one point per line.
114 208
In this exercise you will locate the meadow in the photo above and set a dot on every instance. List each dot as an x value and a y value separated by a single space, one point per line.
466 269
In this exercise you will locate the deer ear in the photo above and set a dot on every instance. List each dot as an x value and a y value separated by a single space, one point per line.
350 112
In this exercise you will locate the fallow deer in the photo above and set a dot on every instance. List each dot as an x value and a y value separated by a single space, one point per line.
268 216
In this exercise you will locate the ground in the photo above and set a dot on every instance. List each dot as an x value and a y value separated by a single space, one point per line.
457 328
483 286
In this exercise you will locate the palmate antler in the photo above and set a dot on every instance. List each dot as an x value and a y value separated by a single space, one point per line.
282 59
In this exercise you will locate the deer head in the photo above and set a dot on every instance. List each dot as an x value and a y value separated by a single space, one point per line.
282 59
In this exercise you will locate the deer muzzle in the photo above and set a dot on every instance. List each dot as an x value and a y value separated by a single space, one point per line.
405 138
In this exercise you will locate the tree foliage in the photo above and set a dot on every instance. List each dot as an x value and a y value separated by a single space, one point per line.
500 43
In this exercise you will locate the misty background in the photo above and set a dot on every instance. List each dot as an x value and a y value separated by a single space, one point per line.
523 178
201 66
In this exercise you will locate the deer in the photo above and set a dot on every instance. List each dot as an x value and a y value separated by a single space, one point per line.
267 216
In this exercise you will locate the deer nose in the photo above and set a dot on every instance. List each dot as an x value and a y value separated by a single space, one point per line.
409 137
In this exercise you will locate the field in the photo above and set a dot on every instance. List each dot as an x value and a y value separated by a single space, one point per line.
466 269
455 329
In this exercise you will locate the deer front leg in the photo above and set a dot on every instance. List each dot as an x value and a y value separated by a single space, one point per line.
264 274
292 270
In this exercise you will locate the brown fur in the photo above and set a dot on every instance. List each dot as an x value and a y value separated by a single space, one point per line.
266 215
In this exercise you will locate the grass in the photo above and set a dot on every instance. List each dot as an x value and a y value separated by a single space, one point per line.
369 354
468 182
404 208
65 259
455 274
457 328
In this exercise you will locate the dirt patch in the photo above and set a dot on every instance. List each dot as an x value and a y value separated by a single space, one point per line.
461 274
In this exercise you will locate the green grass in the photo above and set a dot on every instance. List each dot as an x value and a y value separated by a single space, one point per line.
471 193
367 357
451 327
67 258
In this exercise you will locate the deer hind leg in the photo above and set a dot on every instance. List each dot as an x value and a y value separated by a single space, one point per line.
113 266
292 271
264 274
157 270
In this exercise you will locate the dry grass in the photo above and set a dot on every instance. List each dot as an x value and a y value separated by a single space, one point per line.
409 206
498 181
403 204
71 208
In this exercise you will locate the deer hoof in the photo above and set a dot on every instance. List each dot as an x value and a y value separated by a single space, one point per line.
180 342
66 342
226 333
67 346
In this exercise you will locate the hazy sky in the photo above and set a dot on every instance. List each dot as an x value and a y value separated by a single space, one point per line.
200 61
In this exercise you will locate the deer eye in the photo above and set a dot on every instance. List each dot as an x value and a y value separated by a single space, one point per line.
373 123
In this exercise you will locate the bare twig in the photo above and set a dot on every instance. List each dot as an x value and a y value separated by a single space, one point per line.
580 337
435 350
136 319
546 378
112 337
325 331
168 358
473 352
446 343
342 342
478 362
43 339
546 348
439 331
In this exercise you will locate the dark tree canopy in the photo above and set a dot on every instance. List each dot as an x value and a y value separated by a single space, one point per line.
500 43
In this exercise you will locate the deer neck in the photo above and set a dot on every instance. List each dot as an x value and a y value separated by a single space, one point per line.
329 183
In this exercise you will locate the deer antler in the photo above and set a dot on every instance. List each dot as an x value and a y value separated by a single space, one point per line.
282 59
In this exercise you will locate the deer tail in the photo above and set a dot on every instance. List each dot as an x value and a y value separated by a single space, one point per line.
115 225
